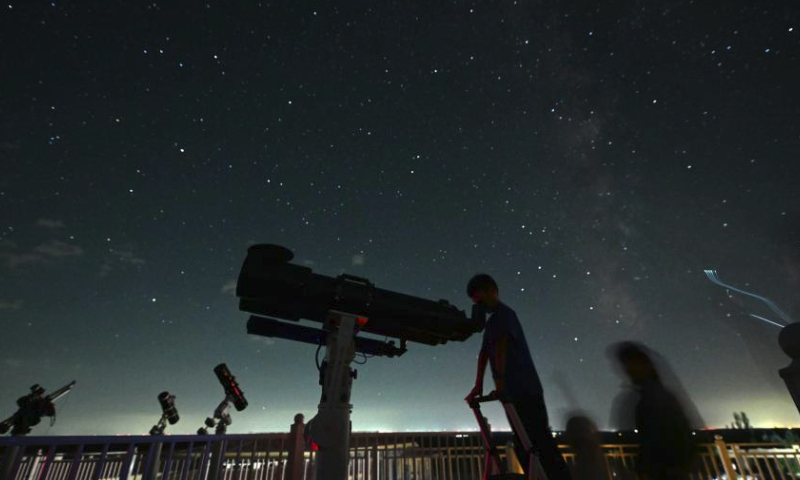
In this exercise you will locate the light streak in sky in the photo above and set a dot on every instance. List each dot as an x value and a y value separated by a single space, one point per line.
712 275
766 320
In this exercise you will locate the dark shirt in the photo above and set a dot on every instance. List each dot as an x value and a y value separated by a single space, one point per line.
521 379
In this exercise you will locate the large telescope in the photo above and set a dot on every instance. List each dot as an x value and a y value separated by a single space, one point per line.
270 286
280 294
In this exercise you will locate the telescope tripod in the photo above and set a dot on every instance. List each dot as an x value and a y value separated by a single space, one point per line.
493 467
158 428
329 430
220 420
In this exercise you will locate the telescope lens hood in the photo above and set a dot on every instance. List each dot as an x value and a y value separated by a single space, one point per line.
268 254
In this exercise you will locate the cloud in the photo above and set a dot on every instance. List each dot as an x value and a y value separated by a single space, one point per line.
49 223
263 340
229 287
116 257
16 259
13 257
58 249
10 304
127 256
12 362
358 259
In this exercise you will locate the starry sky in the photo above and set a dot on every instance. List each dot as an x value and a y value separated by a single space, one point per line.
593 157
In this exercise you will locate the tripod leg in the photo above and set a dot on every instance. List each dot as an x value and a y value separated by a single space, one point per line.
535 470
492 462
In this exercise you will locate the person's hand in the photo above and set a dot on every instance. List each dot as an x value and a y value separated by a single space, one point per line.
476 391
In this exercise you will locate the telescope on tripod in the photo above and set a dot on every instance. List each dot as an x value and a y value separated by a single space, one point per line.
279 294
31 408
221 419
169 413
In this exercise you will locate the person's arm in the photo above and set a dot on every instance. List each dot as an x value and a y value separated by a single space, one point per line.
501 353
477 390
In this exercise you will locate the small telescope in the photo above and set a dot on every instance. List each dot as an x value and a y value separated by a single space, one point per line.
270 286
233 395
31 408
169 413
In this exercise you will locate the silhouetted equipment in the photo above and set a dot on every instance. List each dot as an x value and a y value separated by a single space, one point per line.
789 340
169 413
233 395
346 306
268 327
31 408
232 390
270 286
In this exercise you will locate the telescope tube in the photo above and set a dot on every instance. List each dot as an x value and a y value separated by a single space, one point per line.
270 286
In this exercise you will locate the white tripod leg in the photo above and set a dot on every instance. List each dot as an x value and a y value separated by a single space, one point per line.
535 470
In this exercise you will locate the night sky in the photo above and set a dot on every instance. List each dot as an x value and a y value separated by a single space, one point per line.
594 157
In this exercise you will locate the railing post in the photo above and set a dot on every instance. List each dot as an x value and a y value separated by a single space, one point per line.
217 459
12 456
725 458
297 446
76 462
152 462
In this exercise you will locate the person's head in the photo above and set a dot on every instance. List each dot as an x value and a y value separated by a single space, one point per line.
580 427
482 289
635 362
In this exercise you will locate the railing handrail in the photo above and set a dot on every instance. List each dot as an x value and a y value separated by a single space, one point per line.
46 441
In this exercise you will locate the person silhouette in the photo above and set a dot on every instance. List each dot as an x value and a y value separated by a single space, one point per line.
516 381
581 434
663 419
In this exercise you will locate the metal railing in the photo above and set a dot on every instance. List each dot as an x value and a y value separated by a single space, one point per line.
180 457
374 456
